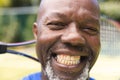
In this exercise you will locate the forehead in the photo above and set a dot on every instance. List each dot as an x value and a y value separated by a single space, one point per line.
69 8
75 4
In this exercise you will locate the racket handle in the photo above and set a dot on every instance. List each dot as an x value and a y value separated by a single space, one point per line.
3 48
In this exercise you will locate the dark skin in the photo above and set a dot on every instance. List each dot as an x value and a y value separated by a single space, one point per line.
71 28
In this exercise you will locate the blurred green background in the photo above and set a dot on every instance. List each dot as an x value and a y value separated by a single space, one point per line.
16 20
17 17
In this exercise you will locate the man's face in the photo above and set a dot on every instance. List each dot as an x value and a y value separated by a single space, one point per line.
68 37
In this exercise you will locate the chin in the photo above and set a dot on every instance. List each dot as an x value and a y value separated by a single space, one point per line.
50 73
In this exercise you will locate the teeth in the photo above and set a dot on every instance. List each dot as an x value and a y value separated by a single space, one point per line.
68 60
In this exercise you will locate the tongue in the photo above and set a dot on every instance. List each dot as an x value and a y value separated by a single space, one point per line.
68 60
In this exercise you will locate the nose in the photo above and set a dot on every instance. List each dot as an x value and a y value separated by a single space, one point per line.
73 35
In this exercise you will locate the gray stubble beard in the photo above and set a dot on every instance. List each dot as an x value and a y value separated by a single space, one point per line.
52 76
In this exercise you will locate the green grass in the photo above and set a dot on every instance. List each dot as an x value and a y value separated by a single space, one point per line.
14 67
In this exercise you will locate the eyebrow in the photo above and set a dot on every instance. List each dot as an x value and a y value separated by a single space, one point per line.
93 23
56 16
93 20
59 15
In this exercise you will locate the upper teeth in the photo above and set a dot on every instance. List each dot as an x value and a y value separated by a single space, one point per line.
68 60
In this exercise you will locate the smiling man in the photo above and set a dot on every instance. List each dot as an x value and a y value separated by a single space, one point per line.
68 39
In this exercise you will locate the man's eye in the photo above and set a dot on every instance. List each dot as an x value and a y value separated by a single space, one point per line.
91 31
56 25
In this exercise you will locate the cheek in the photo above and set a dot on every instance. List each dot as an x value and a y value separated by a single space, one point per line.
45 41
95 45
48 37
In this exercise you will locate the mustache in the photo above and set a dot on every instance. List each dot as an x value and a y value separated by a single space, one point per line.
78 48
81 48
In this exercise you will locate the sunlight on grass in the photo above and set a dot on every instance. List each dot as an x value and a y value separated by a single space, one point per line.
15 67
106 68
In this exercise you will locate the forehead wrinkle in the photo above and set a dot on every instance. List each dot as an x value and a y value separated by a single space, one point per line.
54 16
57 15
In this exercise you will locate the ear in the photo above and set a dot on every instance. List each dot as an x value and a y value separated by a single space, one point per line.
35 30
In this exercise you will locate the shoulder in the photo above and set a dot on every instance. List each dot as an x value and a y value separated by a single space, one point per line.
91 78
35 76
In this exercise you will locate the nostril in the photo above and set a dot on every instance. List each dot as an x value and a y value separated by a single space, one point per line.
73 40
79 47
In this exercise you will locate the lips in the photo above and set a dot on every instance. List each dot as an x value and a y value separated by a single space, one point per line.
68 60
69 57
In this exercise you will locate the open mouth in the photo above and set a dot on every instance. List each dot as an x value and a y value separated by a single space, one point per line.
67 65
68 60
